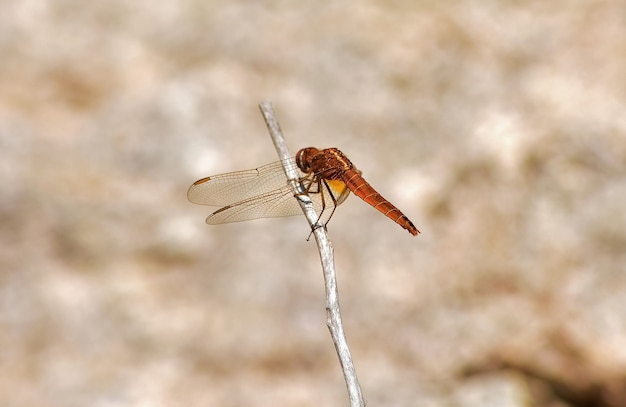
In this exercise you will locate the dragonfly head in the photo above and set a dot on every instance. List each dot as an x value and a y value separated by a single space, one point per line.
304 157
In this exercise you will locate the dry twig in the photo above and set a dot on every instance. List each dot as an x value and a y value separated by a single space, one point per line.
326 254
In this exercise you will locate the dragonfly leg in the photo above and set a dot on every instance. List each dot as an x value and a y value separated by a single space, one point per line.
317 225
332 196
317 182
309 182
319 191
310 189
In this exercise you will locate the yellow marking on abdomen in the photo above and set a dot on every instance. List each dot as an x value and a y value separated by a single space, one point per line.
337 186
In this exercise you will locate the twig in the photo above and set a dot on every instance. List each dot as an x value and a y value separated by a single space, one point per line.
333 314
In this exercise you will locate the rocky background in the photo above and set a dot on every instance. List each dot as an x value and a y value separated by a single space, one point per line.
498 127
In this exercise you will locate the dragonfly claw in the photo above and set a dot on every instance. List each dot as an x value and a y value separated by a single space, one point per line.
317 226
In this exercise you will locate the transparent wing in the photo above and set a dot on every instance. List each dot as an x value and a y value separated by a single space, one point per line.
224 189
276 203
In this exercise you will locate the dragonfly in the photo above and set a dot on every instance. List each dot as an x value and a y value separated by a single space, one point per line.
327 176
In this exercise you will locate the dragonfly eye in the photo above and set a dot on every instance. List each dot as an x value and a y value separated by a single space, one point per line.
303 159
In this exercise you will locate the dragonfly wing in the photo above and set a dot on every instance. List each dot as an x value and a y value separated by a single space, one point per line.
280 202
277 203
224 189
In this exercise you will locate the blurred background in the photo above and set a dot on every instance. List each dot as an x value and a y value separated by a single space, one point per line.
498 128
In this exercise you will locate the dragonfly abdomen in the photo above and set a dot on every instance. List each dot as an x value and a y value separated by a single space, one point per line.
361 188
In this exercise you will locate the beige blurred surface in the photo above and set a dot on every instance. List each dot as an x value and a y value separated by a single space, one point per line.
499 128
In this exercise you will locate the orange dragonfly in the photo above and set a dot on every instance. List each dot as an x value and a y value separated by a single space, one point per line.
327 175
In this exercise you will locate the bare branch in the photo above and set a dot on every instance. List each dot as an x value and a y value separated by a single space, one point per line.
325 248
